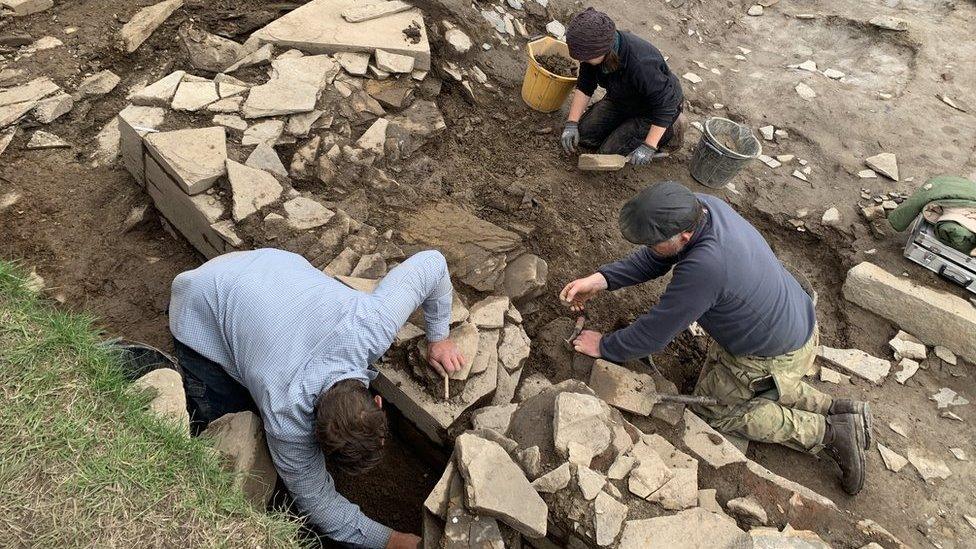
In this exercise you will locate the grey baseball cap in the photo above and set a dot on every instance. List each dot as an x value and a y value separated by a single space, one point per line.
658 213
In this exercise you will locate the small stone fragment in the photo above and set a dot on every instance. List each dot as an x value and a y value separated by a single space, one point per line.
908 369
857 362
489 313
692 77
609 515
755 10
805 92
831 376
393 62
947 397
945 355
959 454
928 468
884 163
892 460
831 217
888 22
44 140
554 480
749 510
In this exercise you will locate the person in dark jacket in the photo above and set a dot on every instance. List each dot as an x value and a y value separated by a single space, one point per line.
762 322
641 112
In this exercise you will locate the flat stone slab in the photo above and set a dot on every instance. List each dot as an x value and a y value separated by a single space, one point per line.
892 460
708 444
495 486
240 440
579 418
691 529
928 468
934 317
319 27
159 93
145 22
280 97
477 250
303 213
608 518
373 11
195 158
601 162
251 189
857 362
623 388
193 95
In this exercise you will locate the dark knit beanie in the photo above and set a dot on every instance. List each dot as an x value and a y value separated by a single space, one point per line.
658 213
590 34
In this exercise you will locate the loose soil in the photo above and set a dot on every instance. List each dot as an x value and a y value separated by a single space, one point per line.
559 65
503 162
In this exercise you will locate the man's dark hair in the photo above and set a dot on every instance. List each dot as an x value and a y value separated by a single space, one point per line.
350 427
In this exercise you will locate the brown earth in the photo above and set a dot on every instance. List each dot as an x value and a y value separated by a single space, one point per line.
502 161
558 65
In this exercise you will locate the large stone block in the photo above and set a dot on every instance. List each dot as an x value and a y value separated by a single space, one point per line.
495 486
194 158
135 122
318 27
168 398
936 318
240 440
192 216
623 388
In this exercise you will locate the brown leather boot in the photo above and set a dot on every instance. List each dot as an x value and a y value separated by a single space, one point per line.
678 131
845 444
851 406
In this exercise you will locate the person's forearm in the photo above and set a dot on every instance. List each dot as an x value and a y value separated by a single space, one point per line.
654 136
578 105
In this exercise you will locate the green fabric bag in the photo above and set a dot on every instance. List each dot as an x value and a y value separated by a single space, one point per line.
945 188
955 236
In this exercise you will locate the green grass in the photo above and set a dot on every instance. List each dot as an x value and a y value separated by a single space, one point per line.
82 463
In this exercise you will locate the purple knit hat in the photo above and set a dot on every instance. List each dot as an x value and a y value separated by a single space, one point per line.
590 34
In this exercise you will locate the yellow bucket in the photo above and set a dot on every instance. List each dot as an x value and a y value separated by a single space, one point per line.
542 90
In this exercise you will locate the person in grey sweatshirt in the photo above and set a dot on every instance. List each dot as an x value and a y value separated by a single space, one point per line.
762 322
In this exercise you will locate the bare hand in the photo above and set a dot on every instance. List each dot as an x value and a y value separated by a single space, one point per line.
588 343
579 291
401 540
445 357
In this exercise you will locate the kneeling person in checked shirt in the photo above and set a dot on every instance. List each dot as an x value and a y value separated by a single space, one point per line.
266 331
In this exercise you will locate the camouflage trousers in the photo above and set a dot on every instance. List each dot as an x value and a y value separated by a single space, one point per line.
765 398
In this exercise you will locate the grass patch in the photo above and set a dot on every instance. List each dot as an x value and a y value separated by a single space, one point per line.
81 461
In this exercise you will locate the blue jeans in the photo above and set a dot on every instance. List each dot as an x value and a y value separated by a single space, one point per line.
210 391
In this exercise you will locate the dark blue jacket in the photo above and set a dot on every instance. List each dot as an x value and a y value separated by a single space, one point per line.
728 279
643 83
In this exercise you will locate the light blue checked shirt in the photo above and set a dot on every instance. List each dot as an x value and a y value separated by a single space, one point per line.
286 331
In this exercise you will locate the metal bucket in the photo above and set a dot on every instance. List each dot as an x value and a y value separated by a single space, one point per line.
713 164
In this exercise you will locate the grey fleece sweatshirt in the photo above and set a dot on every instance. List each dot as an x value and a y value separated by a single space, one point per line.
728 279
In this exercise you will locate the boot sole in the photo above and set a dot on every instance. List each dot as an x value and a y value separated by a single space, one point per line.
860 434
868 425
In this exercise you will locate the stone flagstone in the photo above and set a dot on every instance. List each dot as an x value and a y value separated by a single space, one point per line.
159 93
689 529
934 317
554 480
489 313
608 516
264 157
908 369
857 362
44 140
145 22
892 460
303 213
495 486
651 472
318 27
279 97
196 157
590 482
267 132
193 95
623 388
885 163
928 468
251 189
355 63
579 418
709 444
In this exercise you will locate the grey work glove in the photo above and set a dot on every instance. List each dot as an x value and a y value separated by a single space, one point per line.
642 155
570 138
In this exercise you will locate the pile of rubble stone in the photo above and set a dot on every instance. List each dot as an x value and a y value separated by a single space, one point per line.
562 464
